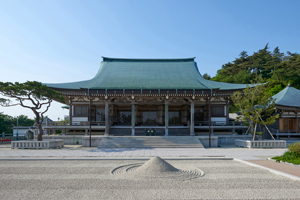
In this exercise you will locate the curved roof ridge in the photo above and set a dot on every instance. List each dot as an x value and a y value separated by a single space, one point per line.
280 95
148 59
119 73
289 96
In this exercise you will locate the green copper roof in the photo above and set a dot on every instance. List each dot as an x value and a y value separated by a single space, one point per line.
288 97
118 73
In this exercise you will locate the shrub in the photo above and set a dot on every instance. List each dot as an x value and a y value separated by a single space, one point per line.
288 157
295 148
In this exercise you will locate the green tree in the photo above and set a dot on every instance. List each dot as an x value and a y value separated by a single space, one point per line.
23 121
256 104
6 123
275 67
206 76
32 95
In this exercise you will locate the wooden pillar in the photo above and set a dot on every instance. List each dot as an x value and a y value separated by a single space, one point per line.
192 126
227 112
70 112
133 119
64 131
297 121
106 119
209 120
166 118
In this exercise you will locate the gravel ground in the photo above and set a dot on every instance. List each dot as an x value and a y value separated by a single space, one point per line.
91 179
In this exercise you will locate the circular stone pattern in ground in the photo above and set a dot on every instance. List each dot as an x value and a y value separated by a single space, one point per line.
156 168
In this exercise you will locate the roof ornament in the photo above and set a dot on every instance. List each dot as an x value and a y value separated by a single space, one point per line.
193 97
132 97
167 97
106 97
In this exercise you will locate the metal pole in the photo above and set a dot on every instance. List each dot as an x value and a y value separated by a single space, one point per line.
70 112
209 120
90 119
17 127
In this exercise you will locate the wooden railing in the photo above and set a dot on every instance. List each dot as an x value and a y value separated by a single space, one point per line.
220 123
77 123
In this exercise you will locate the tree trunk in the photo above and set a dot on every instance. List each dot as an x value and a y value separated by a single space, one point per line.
40 133
39 125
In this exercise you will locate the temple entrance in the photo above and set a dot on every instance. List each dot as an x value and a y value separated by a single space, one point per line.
149 118
124 117
100 115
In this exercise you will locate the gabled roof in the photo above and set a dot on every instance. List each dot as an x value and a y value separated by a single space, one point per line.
288 97
120 73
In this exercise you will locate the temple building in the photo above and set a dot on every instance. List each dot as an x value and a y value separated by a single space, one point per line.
129 96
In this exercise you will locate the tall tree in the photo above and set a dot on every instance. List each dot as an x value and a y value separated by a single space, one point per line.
32 95
254 103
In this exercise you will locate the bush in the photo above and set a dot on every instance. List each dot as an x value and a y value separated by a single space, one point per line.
295 148
289 157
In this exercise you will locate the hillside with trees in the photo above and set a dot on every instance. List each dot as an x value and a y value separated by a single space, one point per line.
276 68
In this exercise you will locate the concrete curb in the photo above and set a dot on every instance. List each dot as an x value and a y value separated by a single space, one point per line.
271 170
113 158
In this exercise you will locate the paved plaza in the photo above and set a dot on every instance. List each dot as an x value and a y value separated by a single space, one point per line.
73 151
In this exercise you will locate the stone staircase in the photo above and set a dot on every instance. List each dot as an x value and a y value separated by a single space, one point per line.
150 142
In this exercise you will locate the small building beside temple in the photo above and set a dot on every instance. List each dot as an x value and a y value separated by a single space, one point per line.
288 106
127 96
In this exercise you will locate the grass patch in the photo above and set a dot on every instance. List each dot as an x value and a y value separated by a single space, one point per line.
289 157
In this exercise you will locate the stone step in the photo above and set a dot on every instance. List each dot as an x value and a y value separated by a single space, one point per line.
150 142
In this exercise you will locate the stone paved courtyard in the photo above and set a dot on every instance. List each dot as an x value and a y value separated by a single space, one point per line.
74 151
91 179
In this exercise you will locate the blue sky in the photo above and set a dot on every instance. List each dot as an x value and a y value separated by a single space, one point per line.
63 41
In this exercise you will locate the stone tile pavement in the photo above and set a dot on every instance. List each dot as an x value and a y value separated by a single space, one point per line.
75 151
